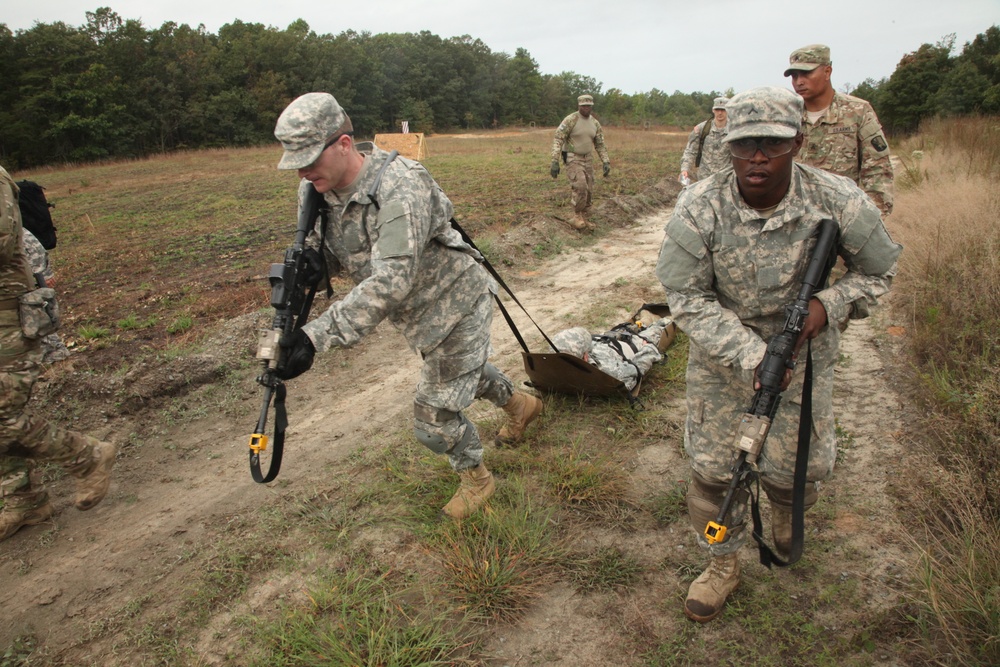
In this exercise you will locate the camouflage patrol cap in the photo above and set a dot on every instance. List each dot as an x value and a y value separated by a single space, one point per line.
720 103
575 341
764 112
585 100
808 58
305 126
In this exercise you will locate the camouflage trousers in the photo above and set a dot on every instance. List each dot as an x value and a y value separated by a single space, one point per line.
454 374
25 438
580 171
717 397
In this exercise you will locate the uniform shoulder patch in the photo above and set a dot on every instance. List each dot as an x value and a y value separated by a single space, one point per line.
878 143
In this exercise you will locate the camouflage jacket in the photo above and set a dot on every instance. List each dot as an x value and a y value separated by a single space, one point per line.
15 272
38 258
407 262
848 141
729 274
561 143
715 155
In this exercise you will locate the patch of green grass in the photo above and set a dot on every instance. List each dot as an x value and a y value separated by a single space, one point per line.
670 504
134 322
19 653
608 569
180 325
91 332
361 616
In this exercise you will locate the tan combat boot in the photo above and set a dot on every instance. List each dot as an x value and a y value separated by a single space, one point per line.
475 488
92 468
522 409
781 530
14 517
580 222
707 594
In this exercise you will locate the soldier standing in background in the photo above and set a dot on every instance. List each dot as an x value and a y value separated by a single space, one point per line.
578 135
734 254
390 230
706 152
842 132
25 438
53 348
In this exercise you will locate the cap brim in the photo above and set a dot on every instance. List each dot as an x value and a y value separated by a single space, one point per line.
297 159
801 67
761 130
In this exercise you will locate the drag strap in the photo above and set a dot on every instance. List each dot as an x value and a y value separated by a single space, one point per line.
500 281
767 556
278 442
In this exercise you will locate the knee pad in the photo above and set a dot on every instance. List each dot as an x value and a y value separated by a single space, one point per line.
443 431
494 386
782 495
704 500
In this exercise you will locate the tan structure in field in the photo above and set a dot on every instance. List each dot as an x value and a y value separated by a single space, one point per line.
411 144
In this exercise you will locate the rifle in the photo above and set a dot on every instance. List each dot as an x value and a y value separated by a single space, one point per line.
753 427
291 301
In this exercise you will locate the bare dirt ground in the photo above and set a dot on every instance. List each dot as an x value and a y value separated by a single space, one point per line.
179 482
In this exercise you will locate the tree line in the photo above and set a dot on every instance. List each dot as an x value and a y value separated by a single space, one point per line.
931 82
115 89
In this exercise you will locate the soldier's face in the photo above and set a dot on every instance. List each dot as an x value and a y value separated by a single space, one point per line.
720 116
810 85
330 170
763 181
585 110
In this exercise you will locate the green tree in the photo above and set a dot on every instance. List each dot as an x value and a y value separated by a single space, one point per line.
909 95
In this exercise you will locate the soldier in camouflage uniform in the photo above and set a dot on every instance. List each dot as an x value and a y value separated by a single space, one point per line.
578 135
390 229
842 132
714 151
734 254
53 348
25 438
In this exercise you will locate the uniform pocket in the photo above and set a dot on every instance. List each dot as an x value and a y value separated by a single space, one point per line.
39 313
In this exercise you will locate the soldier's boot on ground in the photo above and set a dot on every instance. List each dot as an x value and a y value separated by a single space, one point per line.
781 530
521 409
579 222
708 593
16 514
666 337
92 468
474 489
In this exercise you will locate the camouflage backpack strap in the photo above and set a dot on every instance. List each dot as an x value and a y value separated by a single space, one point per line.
705 129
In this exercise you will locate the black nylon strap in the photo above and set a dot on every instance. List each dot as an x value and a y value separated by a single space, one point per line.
278 443
766 554
500 281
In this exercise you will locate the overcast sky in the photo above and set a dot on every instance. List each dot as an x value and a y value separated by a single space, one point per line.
633 45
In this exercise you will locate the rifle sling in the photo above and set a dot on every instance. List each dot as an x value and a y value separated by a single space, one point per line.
766 554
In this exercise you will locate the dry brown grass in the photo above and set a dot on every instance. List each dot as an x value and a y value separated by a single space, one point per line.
946 216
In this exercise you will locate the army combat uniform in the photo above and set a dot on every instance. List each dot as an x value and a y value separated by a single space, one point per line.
715 155
848 140
53 348
412 267
579 137
729 274
24 313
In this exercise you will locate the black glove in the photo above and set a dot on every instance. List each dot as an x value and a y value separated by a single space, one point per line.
297 353
312 267
607 169
554 169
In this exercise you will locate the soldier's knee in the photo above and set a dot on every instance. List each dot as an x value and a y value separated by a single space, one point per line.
494 385
443 431
704 500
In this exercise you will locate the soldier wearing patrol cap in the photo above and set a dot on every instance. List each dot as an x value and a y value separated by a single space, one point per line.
389 228
842 133
734 254
706 152
578 135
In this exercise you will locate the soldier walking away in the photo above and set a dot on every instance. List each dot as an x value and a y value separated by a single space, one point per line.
842 133
389 227
578 135
734 254
26 315
706 152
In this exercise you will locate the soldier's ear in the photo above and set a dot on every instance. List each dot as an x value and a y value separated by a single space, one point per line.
799 140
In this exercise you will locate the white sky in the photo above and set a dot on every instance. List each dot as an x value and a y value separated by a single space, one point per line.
634 45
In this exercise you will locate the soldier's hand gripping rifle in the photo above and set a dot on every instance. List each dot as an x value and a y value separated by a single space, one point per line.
293 286
753 427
